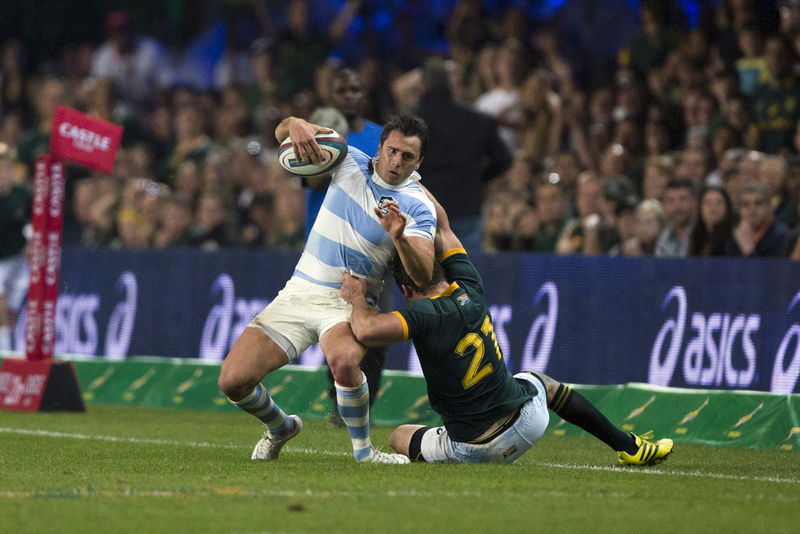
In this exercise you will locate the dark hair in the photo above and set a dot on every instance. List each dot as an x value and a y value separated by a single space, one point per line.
716 242
409 125
344 73
435 77
402 277
681 183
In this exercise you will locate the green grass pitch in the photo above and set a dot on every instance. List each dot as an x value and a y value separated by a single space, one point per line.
144 470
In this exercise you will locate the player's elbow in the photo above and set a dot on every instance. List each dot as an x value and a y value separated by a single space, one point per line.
366 334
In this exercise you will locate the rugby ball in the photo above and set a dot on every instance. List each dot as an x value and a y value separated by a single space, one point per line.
334 150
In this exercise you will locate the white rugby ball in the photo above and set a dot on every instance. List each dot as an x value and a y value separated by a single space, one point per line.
334 150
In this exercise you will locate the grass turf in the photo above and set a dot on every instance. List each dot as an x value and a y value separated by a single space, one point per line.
148 470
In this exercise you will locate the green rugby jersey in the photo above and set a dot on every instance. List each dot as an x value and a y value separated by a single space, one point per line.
468 382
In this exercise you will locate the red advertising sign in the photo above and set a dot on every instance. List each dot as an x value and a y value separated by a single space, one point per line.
38 257
43 385
22 384
84 139
52 264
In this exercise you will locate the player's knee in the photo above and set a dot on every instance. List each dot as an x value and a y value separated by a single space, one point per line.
235 385
344 367
550 385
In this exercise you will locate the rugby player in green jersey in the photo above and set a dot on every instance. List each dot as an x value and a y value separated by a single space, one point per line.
488 414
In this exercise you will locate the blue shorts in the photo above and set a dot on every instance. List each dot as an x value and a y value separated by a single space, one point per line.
436 445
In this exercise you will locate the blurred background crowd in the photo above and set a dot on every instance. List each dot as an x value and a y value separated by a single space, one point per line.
575 127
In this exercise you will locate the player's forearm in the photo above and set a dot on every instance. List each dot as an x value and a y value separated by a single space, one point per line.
282 130
361 322
417 255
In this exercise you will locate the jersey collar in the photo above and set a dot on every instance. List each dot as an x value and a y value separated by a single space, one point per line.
447 292
413 177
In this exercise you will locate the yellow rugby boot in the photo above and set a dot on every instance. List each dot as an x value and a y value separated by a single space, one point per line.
648 453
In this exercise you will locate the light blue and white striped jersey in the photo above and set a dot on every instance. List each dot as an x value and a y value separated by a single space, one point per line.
347 235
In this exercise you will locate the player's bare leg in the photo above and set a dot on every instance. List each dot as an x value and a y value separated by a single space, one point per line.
400 438
251 358
343 353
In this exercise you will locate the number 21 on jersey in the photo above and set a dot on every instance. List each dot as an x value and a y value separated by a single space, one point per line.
476 373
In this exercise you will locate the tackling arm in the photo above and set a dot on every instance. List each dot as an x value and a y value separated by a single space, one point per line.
446 239
416 253
371 328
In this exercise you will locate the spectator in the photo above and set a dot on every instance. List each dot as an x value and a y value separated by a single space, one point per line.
92 223
347 95
257 230
211 229
519 178
174 220
188 183
648 224
498 228
567 168
136 64
133 229
503 101
656 138
542 123
300 49
712 235
15 214
288 229
13 78
773 173
751 67
695 165
35 141
658 172
680 205
456 167
648 47
775 103
551 214
588 233
758 233
191 142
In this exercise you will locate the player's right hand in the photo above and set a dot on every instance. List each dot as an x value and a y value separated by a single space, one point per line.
305 145
391 218
353 288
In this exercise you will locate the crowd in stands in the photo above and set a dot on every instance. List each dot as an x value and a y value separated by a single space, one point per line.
687 145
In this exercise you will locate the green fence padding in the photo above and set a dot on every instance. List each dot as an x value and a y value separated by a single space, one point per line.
712 417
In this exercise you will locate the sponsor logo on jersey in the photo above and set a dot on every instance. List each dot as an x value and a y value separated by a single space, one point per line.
382 203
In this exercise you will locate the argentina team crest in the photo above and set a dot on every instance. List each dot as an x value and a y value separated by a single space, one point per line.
382 203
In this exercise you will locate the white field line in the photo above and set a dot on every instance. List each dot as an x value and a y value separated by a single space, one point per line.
584 467
148 441
697 474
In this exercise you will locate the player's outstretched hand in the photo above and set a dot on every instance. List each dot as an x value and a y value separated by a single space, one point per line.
305 145
392 219
353 288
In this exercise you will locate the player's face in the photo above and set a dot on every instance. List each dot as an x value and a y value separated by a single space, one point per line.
398 157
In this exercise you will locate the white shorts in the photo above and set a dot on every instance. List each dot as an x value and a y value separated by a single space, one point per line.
14 280
300 314
529 427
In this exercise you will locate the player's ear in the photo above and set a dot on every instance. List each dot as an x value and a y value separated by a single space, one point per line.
406 292
419 163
